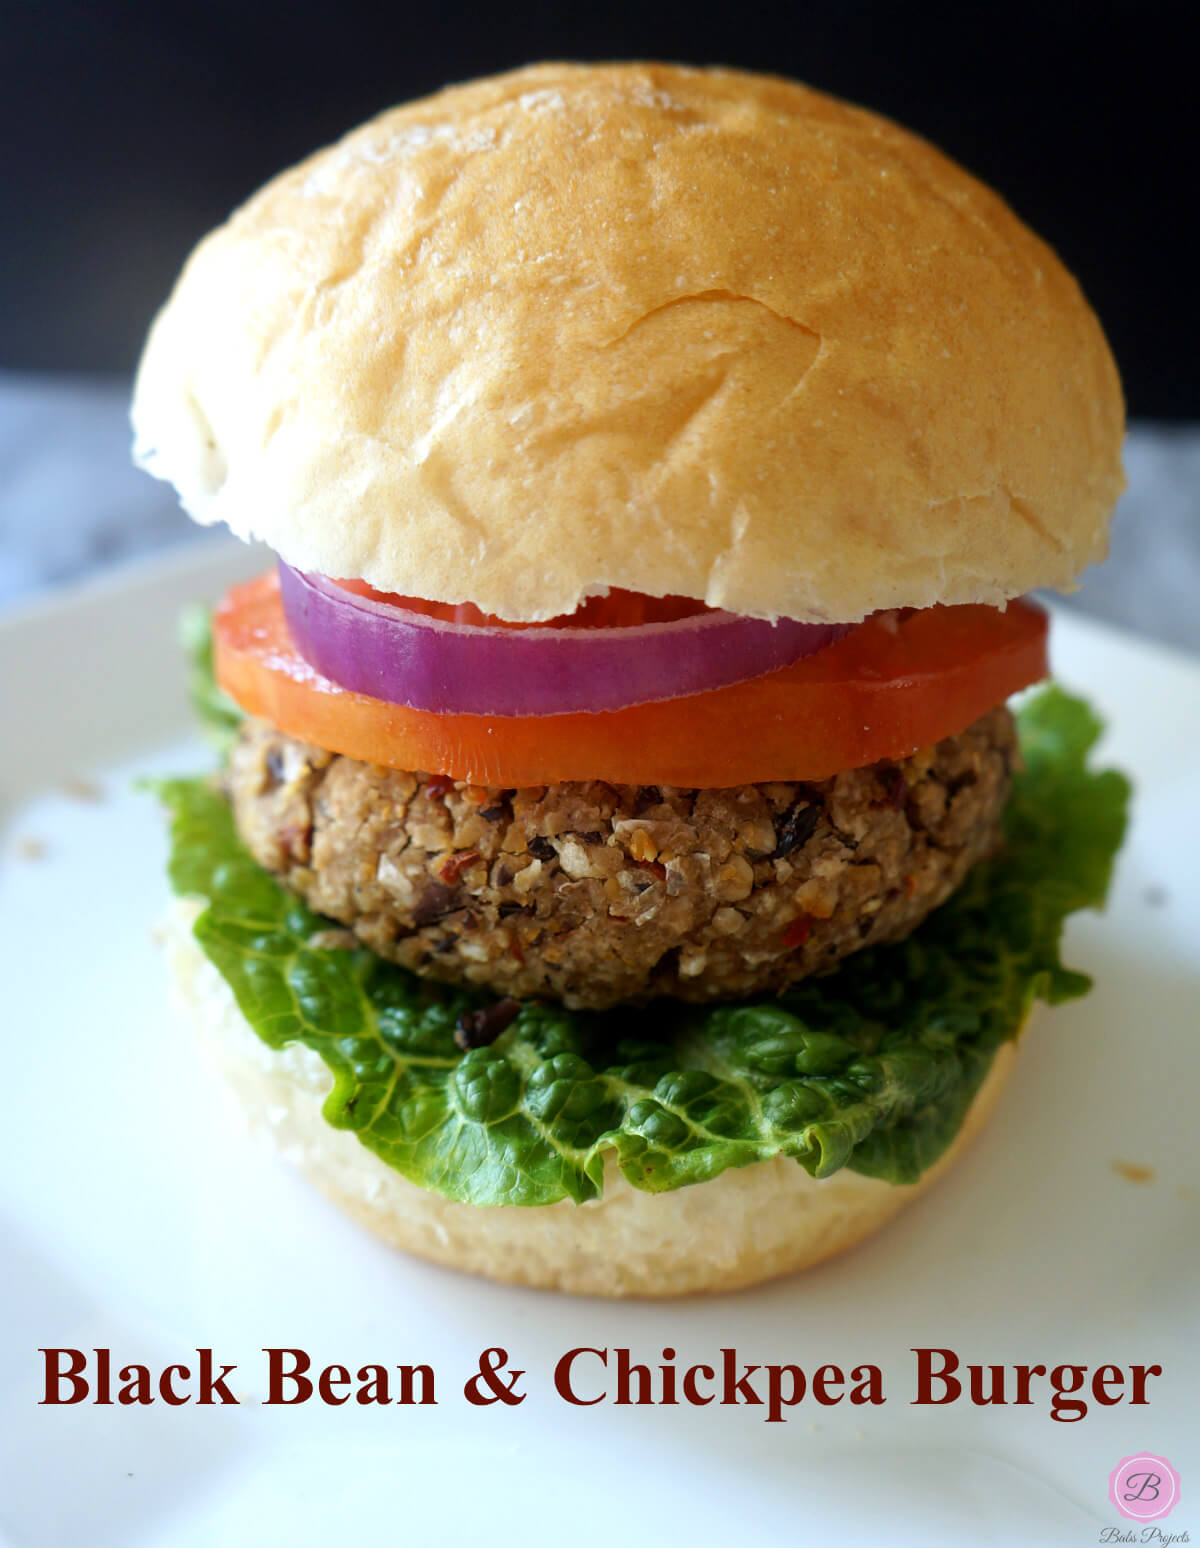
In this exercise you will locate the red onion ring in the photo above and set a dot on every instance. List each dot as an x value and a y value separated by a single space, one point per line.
409 658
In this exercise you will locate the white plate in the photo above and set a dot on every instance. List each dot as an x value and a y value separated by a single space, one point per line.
136 1216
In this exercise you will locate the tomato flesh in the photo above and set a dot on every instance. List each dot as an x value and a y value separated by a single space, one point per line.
892 685
617 610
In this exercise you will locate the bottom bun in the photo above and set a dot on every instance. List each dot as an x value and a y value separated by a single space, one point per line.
749 1224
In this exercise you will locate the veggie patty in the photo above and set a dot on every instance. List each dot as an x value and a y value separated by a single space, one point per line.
593 894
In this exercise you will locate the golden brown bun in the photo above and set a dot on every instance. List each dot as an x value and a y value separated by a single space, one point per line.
749 1224
680 331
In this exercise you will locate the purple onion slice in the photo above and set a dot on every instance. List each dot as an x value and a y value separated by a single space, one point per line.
407 657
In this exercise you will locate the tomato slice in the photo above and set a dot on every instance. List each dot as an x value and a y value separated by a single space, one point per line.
617 610
896 683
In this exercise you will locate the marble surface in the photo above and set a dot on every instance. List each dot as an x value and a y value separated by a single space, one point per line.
72 505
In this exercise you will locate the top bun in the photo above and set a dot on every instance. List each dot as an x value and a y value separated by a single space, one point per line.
680 331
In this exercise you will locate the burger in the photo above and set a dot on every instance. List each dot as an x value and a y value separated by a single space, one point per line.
626 873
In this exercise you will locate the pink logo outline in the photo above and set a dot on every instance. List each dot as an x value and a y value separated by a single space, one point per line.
1144 1487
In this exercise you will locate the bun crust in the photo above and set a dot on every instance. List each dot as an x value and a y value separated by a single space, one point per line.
748 1224
679 331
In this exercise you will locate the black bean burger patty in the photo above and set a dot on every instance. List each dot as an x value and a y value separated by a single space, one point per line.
593 894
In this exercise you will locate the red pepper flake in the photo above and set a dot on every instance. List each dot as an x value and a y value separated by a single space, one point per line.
295 840
910 885
655 867
453 867
798 931
514 941
438 785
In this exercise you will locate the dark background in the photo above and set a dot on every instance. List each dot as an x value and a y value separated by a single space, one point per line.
127 129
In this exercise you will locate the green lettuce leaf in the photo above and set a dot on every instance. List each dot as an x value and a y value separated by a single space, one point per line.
218 715
871 1068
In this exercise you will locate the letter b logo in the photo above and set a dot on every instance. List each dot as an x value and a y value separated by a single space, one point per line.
1144 1487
